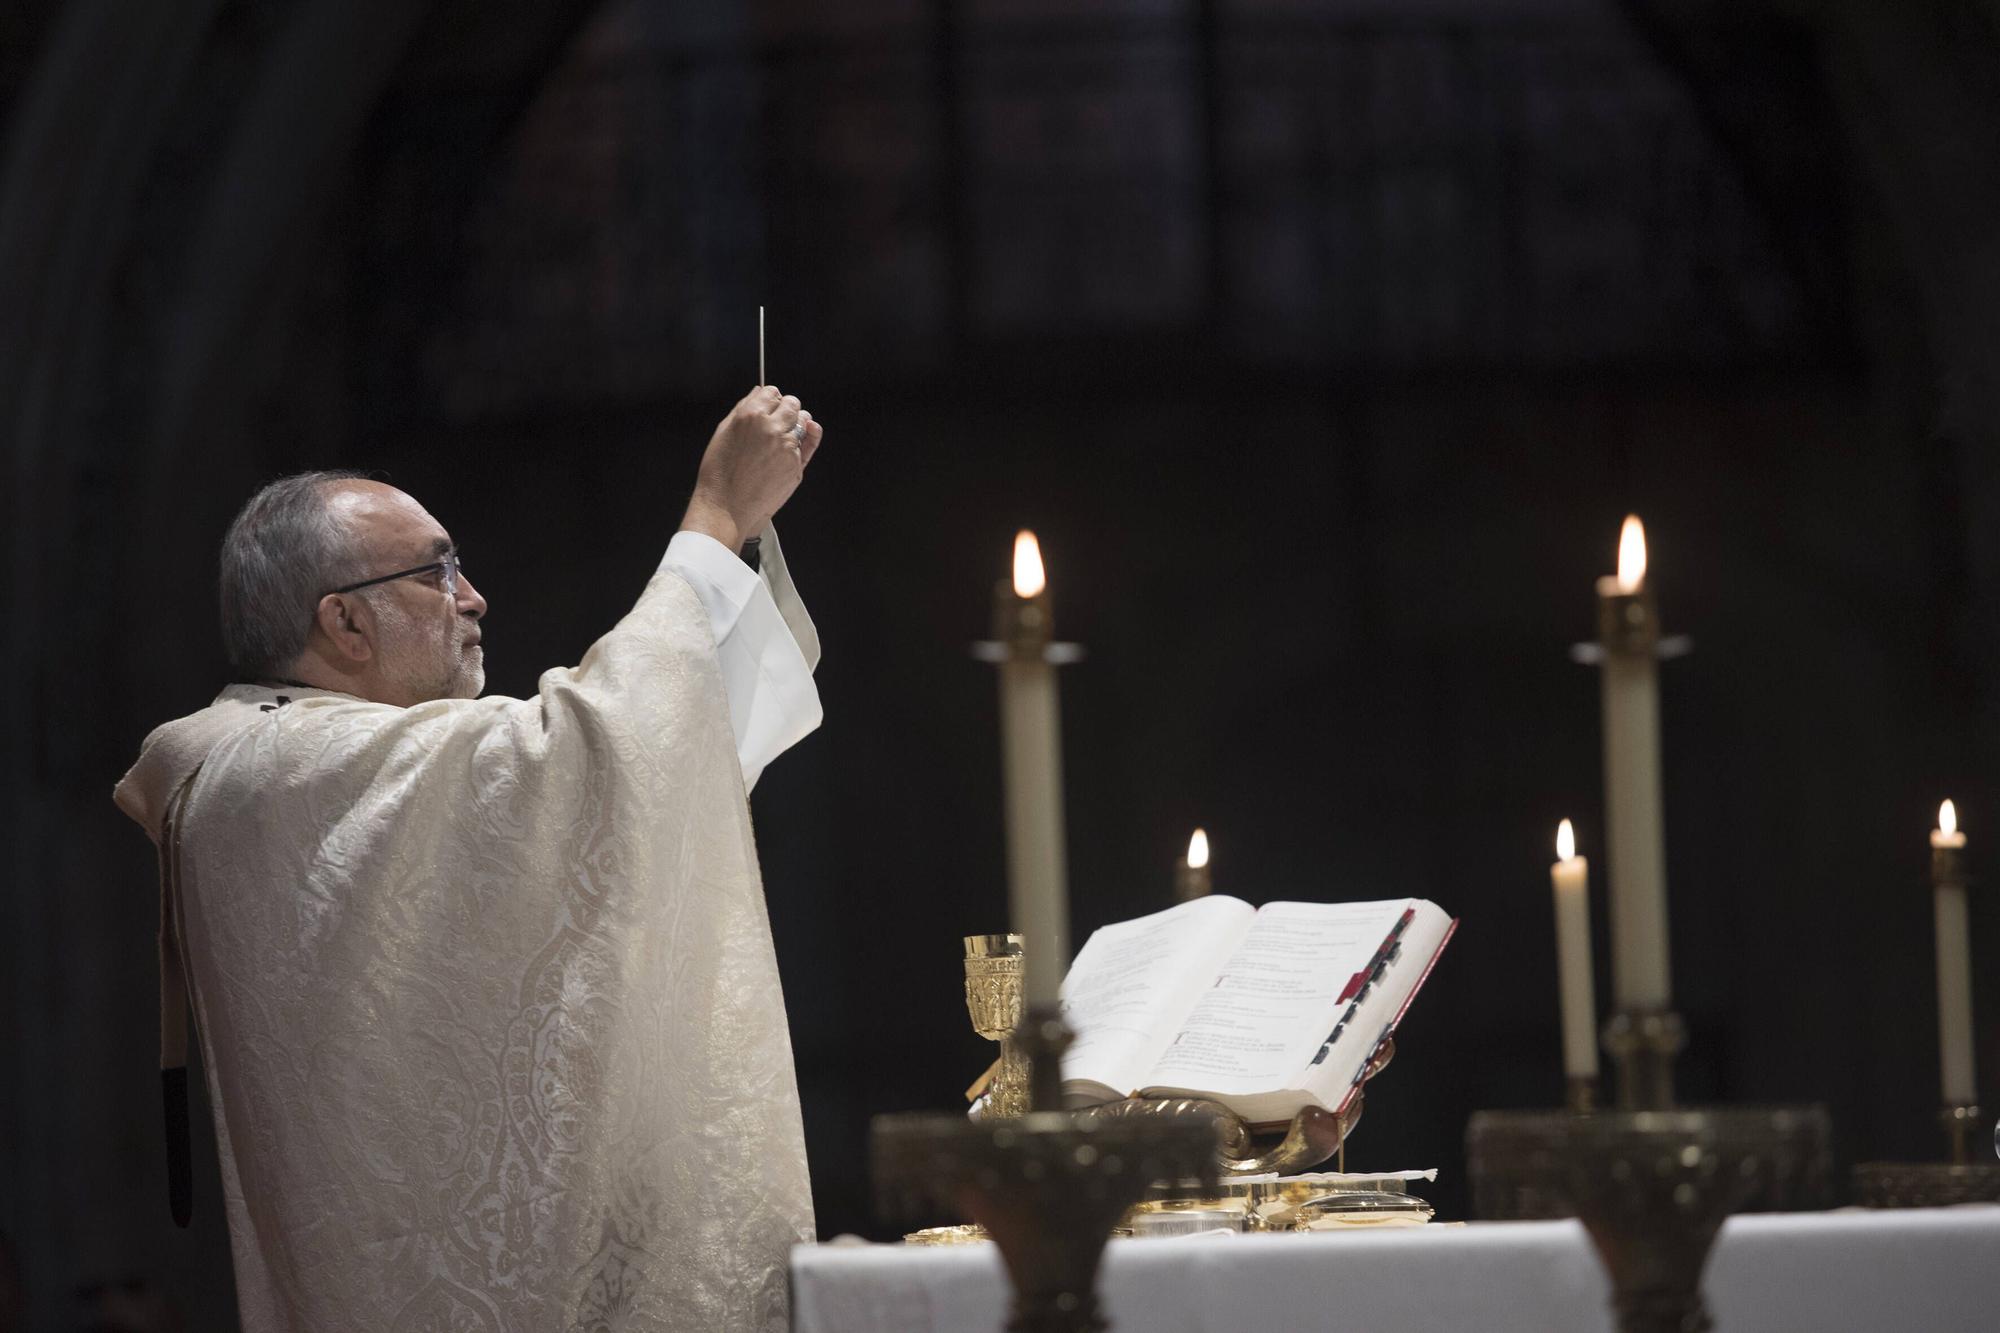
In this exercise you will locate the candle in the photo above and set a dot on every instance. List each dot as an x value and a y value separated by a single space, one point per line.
1570 876
1954 959
1031 771
1191 879
1629 630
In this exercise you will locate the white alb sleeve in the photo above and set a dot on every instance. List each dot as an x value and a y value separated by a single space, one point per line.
765 642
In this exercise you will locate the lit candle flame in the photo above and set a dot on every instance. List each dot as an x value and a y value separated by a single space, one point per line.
1029 579
1565 842
1197 850
1631 555
1947 819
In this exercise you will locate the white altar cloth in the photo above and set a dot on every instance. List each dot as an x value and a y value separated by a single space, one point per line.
1910 1271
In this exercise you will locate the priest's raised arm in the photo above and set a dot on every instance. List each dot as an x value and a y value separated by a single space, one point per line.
485 987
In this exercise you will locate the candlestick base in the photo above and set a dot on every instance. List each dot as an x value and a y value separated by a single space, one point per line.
1047 1187
1651 1187
1934 1184
1642 1044
1925 1184
1580 1094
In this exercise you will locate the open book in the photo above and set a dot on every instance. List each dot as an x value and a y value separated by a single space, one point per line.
1264 1010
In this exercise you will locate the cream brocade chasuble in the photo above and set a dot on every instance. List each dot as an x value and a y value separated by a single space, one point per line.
486 989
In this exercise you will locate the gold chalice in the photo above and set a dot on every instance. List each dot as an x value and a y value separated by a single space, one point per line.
993 999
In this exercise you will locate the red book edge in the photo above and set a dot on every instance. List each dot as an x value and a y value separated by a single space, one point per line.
1394 1023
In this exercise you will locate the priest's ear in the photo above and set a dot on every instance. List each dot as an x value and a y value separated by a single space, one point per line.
348 625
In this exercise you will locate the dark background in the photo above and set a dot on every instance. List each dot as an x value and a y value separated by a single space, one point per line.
1324 343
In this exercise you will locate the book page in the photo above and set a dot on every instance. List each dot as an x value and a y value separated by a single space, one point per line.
1275 998
1332 1070
1133 983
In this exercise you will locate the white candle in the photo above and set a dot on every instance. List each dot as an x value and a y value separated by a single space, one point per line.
1031 770
1570 876
1632 780
1954 960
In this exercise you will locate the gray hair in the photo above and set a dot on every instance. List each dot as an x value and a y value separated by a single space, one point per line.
284 551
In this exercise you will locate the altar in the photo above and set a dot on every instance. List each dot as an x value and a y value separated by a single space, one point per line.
1933 1270
1182 1032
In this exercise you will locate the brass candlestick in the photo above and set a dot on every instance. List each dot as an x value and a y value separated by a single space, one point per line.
1961 1124
1642 1044
1935 1184
1047 1187
1651 1183
993 999
1961 1179
1651 1187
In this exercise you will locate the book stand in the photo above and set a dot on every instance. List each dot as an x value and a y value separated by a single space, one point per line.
1313 1135
993 1001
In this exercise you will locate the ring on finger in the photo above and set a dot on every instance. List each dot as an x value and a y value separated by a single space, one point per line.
798 431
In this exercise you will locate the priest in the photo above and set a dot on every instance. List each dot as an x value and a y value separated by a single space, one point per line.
485 988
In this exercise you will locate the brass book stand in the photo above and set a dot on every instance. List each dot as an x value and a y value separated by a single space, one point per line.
1048 1185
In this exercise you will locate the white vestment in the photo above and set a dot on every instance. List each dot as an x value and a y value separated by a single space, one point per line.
485 988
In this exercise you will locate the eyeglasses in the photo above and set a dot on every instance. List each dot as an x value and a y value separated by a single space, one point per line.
447 567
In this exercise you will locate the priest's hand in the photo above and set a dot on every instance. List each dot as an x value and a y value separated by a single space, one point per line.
753 463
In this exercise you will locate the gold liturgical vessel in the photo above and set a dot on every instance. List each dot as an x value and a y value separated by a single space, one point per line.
993 999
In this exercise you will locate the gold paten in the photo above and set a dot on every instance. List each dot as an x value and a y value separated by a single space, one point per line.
964 1235
1315 1201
